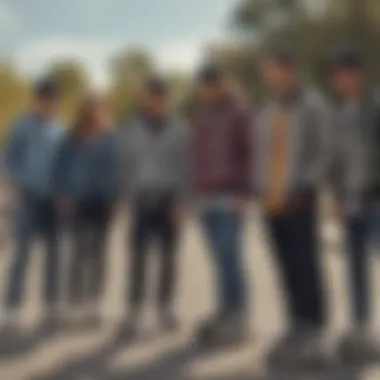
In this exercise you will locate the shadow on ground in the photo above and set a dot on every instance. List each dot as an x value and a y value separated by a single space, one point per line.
174 365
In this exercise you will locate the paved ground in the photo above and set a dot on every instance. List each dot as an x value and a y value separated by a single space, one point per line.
87 355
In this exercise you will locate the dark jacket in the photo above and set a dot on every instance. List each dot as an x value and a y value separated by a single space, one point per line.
373 146
88 169
222 148
355 169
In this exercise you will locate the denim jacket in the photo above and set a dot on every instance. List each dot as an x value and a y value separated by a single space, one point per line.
88 169
30 153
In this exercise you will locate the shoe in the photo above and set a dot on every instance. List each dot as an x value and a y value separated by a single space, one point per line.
226 330
10 332
51 325
303 349
280 353
207 327
360 346
92 316
168 320
129 329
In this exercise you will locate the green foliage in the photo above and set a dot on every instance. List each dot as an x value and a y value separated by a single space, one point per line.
253 24
14 95
128 68
265 22
73 83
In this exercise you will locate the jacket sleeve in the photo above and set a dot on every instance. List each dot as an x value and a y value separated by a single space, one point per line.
320 142
124 165
13 154
61 168
184 190
244 151
335 170
113 167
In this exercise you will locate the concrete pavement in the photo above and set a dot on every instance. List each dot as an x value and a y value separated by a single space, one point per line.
87 355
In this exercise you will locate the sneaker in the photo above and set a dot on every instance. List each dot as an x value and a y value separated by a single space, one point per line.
92 316
207 328
10 331
168 320
129 329
360 346
50 325
301 349
224 330
280 353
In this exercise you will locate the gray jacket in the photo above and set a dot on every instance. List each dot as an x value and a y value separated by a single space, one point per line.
155 160
309 144
355 167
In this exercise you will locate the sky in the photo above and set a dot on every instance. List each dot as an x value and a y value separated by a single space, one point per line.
35 33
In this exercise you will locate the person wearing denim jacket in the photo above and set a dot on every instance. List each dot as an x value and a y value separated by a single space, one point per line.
29 159
87 184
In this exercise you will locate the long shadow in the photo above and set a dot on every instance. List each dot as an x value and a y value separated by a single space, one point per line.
337 373
22 345
173 365
170 366
95 365
92 366
11 348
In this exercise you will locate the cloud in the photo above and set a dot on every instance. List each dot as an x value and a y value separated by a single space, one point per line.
9 20
35 57
183 56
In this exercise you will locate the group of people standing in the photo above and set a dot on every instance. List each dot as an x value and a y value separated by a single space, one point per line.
297 146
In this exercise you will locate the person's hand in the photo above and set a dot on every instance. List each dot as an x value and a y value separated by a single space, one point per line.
338 212
179 213
240 204
66 207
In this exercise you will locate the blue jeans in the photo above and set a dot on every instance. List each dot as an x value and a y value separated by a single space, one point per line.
34 216
374 225
362 230
222 227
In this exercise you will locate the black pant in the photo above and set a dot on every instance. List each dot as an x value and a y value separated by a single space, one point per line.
153 219
358 236
89 238
35 215
294 239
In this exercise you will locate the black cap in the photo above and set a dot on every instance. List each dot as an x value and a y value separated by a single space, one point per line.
210 73
346 57
284 55
47 89
156 85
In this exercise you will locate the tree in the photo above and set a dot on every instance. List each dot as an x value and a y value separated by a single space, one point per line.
73 83
14 96
128 69
314 33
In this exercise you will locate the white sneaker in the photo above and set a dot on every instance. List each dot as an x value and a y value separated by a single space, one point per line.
360 345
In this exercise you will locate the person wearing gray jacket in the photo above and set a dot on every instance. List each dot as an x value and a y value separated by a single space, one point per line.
355 177
292 140
155 158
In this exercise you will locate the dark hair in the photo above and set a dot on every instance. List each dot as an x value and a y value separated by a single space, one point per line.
345 57
156 85
283 55
83 118
210 73
46 88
